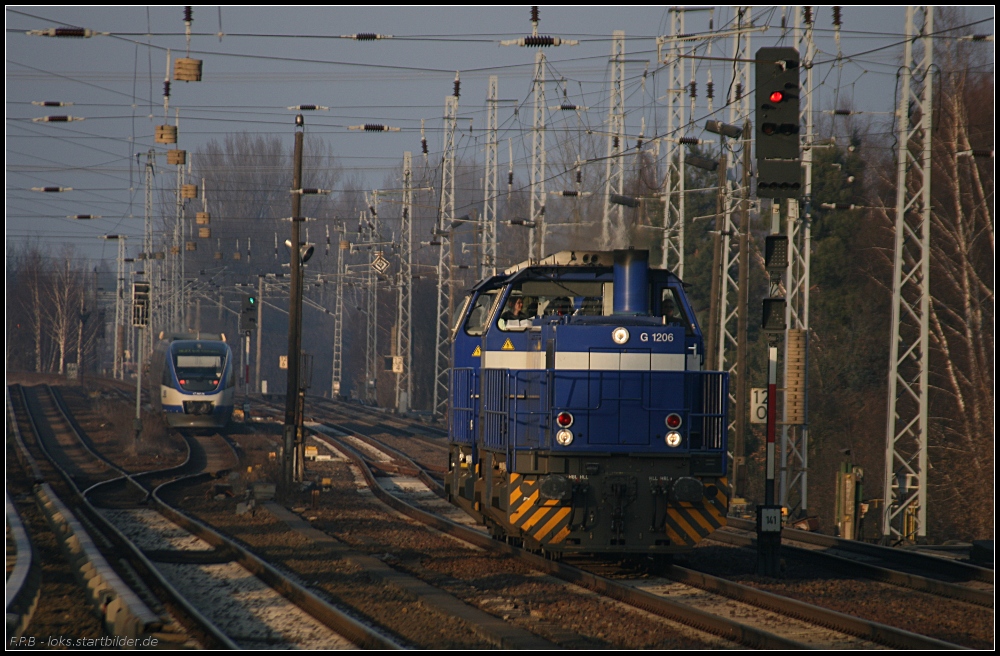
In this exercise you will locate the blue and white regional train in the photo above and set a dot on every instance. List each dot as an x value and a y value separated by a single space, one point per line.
581 418
192 380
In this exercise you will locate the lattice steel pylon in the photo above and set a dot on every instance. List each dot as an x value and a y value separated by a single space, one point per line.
488 247
905 492
673 181
120 287
613 226
538 162
794 472
371 342
442 232
404 298
338 319
728 303
739 111
151 268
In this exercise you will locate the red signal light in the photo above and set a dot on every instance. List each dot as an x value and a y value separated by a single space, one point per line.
777 96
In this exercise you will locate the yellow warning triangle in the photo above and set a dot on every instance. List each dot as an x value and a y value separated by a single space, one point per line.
478 352
507 346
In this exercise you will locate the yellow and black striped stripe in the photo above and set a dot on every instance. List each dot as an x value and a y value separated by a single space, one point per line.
546 521
688 523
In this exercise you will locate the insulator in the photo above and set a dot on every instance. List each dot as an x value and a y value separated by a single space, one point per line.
540 41
73 32
807 15
638 143
694 141
423 145
457 85
187 14
694 89
52 119
166 88
842 112
614 142
710 90
979 152
50 103
579 176
534 13
374 127
836 16
739 90
571 193
567 106
366 36
510 178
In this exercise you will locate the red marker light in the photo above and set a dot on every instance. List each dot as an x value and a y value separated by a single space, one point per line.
564 419
777 96
673 421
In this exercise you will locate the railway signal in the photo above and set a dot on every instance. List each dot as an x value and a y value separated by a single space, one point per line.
779 165
248 316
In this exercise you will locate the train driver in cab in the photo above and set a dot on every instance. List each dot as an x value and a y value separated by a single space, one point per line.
515 315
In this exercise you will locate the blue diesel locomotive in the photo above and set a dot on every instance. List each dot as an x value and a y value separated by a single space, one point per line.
192 380
581 419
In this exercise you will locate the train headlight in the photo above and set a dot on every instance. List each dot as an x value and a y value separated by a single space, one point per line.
564 437
673 439
620 335
564 419
673 421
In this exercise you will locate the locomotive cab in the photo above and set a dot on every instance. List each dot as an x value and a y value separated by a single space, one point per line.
581 419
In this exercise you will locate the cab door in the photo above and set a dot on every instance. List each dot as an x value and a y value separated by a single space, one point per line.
466 358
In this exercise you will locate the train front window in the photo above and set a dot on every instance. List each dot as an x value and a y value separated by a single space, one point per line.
199 370
672 310
532 299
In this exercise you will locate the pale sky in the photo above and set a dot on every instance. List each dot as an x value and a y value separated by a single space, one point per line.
272 57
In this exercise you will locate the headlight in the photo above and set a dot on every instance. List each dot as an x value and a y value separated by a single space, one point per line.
620 335
564 437
673 439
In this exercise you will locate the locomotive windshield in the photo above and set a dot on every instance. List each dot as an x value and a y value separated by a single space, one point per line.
540 298
199 368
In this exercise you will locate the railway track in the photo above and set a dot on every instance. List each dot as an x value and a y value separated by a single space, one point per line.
728 608
235 598
910 569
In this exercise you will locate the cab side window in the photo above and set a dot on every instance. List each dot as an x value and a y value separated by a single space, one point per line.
475 324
